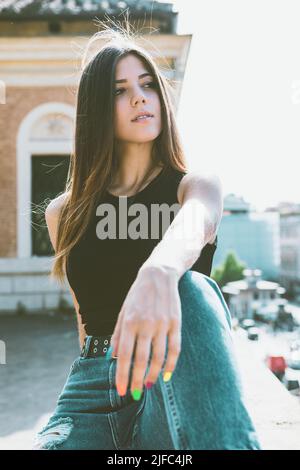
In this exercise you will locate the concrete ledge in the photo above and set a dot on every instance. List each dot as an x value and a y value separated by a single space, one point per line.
274 410
27 280
37 264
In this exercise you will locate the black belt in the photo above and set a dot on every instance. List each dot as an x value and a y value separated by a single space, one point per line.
96 346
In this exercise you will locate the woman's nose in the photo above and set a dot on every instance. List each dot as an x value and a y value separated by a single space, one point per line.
138 97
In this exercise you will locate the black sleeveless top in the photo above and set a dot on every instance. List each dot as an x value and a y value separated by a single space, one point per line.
101 270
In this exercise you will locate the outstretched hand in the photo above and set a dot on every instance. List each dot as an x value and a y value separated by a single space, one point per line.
150 315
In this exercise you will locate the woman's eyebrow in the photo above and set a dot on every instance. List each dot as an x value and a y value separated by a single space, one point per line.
122 80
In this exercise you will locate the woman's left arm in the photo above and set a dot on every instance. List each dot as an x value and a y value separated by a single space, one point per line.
151 311
196 223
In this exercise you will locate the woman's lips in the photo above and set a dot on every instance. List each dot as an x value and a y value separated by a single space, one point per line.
143 120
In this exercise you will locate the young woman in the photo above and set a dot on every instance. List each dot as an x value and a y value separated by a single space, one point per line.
157 368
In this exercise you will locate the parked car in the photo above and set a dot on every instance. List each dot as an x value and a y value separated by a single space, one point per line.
277 365
253 333
291 379
234 323
295 345
293 359
247 323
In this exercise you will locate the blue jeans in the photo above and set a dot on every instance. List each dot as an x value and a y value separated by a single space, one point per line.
202 406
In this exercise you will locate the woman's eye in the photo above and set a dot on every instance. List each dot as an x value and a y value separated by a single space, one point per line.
151 84
120 90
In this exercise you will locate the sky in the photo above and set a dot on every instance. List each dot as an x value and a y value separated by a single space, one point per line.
239 110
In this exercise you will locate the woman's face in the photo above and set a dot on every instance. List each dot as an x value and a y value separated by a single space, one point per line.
135 92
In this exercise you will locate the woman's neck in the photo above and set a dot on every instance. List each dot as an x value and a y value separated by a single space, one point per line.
127 183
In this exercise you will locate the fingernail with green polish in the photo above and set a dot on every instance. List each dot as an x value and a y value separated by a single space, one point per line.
136 394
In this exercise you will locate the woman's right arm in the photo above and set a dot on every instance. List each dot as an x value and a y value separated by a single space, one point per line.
51 216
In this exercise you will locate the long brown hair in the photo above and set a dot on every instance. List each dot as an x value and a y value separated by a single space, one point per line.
93 163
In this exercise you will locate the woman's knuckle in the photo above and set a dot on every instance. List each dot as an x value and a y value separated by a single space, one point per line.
173 354
176 348
124 356
150 322
129 323
141 357
175 321
157 359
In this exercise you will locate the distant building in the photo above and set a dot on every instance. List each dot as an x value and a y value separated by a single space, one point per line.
290 247
253 236
251 293
40 45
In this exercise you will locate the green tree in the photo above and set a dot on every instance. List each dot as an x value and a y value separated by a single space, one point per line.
230 270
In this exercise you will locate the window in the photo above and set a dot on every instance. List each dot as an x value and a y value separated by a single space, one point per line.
48 178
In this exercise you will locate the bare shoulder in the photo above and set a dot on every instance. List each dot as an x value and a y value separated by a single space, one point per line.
52 214
200 176
54 207
195 181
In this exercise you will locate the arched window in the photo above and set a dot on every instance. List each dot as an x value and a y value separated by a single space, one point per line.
43 151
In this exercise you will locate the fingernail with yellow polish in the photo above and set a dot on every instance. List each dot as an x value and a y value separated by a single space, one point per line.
167 376
136 394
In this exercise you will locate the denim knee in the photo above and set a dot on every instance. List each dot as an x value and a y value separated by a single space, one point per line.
209 356
218 291
200 292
